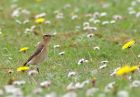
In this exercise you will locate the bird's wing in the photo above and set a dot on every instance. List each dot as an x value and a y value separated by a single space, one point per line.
38 51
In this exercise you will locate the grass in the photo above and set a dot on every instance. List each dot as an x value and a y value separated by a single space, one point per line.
74 42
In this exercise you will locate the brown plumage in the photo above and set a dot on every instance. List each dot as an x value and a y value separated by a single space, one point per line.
40 54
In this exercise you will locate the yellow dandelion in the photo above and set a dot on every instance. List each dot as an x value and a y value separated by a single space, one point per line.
126 69
128 44
39 20
123 70
24 49
23 68
134 68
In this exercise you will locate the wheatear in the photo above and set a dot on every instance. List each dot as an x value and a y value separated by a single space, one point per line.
40 54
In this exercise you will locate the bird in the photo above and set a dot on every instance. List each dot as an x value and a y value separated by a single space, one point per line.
40 53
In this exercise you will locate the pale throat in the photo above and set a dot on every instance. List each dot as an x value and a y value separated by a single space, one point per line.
46 41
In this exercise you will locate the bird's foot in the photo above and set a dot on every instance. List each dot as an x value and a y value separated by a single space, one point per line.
37 70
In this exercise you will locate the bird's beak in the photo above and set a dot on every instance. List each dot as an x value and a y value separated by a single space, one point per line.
49 35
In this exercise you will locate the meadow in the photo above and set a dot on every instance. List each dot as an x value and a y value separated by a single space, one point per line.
84 53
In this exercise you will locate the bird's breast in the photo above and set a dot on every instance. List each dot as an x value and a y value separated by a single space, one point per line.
40 57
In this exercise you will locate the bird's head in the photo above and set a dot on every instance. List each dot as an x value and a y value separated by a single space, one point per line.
47 37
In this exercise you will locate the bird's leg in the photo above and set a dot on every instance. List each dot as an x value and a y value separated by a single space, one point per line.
37 68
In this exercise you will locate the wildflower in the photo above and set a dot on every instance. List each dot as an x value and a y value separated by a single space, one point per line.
11 89
90 35
86 24
24 49
129 78
37 90
45 84
47 22
70 74
67 6
26 21
104 62
90 92
61 53
32 72
122 93
59 16
138 14
94 72
70 94
19 83
132 12
109 86
74 17
96 21
130 8
52 94
133 3
77 27
31 29
10 71
90 28
135 83
54 33
117 17
96 14
82 60
128 44
78 85
126 69
105 22
88 15
91 19
114 72
23 68
56 46
123 70
105 5
96 48
39 20
133 68
18 21
71 86
56 12
102 95
25 12
112 21
16 12
1 92
103 66
0 31
103 14
40 15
